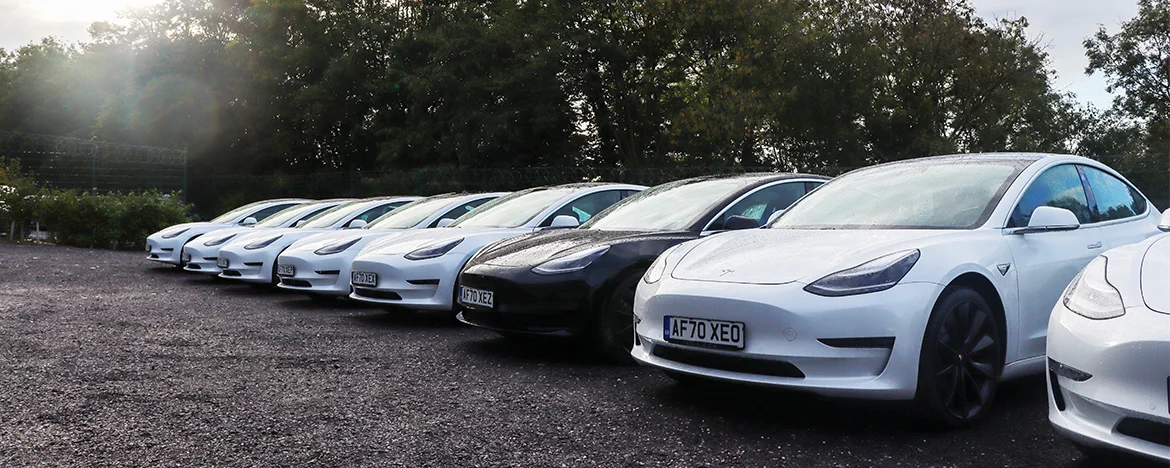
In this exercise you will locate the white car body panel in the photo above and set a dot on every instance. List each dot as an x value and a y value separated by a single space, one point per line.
258 265
1128 357
430 284
330 274
169 251
758 278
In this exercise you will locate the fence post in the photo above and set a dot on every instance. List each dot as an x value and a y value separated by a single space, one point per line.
184 175
93 168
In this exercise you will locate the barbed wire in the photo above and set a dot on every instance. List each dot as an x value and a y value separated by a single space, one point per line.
18 144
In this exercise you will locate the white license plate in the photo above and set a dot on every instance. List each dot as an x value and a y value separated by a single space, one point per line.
477 297
222 262
186 257
364 278
703 332
285 270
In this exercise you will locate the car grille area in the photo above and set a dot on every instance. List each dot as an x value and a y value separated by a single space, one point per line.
1144 429
740 364
376 294
295 282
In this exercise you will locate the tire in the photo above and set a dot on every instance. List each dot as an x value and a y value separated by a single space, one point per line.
614 322
961 359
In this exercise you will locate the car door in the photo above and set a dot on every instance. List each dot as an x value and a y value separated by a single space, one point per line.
1119 208
1046 262
760 204
586 206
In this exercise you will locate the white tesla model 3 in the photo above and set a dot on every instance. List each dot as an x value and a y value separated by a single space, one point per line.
166 246
201 256
252 257
319 264
418 270
927 280
1109 352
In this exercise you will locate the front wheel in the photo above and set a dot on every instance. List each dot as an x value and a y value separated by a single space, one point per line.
961 359
615 320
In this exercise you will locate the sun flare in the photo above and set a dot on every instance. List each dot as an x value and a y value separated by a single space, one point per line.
83 10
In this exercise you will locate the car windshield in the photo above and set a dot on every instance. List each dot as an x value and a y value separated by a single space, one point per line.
287 215
513 210
957 194
333 215
238 212
410 214
667 207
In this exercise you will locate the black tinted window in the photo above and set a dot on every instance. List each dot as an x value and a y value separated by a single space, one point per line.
587 206
462 210
761 204
378 211
260 215
1115 198
1058 187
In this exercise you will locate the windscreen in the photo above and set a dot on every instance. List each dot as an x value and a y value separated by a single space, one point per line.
668 207
333 215
923 195
513 210
286 216
410 214
238 212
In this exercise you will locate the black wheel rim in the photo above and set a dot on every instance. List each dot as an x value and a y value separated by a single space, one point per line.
622 317
967 352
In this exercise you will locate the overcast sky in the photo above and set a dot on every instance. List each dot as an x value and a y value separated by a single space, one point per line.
1061 25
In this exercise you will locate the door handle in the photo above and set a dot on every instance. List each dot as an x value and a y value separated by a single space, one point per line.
1095 245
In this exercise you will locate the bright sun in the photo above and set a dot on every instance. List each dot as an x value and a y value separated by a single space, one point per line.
83 10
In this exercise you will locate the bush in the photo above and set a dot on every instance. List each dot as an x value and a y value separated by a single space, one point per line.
116 220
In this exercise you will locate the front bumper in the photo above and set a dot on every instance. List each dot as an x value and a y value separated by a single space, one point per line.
864 346
167 251
1124 404
422 284
554 305
252 266
318 274
201 258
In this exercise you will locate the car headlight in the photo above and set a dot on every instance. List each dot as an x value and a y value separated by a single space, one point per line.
174 234
433 250
262 243
218 241
570 263
1090 295
336 247
654 273
875 275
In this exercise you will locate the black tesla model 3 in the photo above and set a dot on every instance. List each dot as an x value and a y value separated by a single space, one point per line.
579 283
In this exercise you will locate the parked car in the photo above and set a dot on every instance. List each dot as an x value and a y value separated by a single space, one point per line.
418 270
252 257
1109 353
579 283
202 256
319 264
166 246
928 280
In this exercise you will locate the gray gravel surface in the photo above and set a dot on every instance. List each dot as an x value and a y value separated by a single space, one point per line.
108 359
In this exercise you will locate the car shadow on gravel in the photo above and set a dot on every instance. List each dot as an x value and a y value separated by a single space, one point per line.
535 350
400 319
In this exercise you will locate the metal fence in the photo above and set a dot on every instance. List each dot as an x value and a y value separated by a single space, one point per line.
75 163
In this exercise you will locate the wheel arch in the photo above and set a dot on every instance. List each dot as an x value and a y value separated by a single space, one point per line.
983 285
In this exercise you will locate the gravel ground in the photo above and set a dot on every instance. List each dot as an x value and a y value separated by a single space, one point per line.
108 359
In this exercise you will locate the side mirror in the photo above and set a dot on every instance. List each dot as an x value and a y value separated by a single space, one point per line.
1164 224
301 223
1050 218
357 224
774 217
736 223
564 221
249 221
445 222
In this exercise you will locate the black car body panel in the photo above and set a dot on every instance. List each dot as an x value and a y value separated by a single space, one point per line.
527 302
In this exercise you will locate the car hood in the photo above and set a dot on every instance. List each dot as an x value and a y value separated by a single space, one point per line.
413 240
199 227
779 256
273 232
536 248
1156 275
317 241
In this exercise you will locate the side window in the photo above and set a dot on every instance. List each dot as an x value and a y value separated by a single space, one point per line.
313 213
461 210
377 211
260 215
762 203
1058 187
810 186
1115 198
585 207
